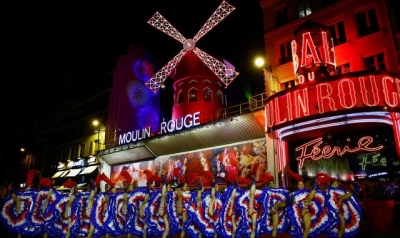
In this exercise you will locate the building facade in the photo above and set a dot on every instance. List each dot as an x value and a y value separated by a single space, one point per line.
332 78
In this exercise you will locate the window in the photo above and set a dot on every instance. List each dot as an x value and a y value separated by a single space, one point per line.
73 153
304 8
220 97
207 95
193 95
82 150
281 17
375 62
289 84
342 69
338 33
180 97
92 148
285 52
367 22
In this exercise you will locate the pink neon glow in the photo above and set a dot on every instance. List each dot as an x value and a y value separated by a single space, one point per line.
396 130
308 43
391 101
364 92
350 91
312 149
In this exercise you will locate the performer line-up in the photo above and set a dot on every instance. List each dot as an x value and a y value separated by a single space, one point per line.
245 208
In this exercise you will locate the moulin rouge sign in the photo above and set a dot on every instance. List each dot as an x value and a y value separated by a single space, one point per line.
368 91
166 127
320 91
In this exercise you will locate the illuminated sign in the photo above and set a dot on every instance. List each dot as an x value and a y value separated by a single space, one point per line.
313 149
333 96
313 52
166 127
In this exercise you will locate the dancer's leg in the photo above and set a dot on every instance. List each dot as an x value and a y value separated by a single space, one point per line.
166 222
162 202
212 200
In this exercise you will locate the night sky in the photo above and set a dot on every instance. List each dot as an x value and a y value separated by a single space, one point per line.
48 51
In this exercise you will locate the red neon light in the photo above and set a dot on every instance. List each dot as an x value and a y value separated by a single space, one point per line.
333 96
308 51
312 149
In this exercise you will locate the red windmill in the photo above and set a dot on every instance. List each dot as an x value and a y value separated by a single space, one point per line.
192 68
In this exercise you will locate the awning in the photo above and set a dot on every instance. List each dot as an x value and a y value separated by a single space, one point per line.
58 174
73 172
88 170
62 188
64 173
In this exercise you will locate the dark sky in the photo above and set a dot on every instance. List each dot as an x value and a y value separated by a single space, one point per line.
46 48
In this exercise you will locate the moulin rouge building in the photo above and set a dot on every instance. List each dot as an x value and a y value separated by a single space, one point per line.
334 88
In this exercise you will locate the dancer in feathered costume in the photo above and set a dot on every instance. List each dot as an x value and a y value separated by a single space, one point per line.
207 213
82 225
64 216
178 202
17 209
156 215
307 213
191 226
344 209
251 210
137 204
274 219
123 208
110 207
48 209
90 212
98 208
38 214
230 218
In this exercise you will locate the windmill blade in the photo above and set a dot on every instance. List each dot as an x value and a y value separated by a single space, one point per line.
222 11
159 22
225 74
158 79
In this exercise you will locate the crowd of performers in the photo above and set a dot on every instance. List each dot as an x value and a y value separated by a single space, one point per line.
246 208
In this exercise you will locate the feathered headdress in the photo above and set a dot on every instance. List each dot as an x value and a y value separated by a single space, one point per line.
150 177
208 177
127 176
323 178
294 175
45 182
97 180
69 184
30 177
177 173
266 178
107 180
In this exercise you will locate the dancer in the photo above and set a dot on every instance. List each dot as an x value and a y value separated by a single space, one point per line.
308 204
228 223
152 210
180 198
128 188
275 200
94 189
344 207
252 212
67 214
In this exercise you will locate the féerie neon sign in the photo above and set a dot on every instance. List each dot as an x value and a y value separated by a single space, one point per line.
313 149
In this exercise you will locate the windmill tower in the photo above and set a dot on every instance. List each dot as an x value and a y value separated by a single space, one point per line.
200 79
